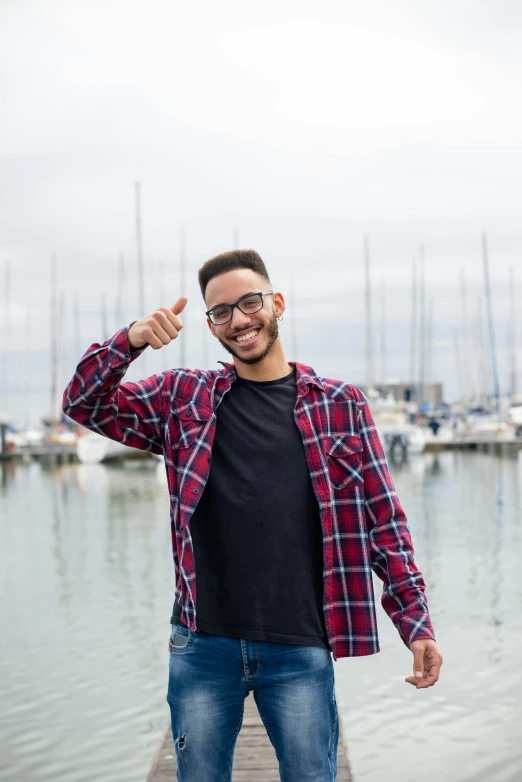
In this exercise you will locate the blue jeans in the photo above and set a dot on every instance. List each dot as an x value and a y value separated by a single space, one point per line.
209 678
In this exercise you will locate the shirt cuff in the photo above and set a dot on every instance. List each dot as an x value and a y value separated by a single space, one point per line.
120 351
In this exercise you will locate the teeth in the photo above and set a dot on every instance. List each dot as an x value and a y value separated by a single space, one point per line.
246 337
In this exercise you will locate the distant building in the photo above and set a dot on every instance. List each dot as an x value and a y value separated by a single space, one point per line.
409 392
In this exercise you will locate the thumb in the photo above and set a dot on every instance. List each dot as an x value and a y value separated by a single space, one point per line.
418 663
179 306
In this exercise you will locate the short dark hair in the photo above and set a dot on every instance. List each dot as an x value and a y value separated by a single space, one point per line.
226 262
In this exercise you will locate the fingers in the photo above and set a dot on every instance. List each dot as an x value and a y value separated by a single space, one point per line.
421 684
169 322
164 335
428 679
161 327
427 661
153 340
160 331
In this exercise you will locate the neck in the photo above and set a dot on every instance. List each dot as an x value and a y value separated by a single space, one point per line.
272 367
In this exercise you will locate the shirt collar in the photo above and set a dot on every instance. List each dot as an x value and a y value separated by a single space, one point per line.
304 374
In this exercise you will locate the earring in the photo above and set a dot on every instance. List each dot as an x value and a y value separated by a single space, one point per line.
281 318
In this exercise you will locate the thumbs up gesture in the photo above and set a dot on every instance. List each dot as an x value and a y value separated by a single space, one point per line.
159 328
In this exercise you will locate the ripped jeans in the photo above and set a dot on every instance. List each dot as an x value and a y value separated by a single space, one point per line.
209 678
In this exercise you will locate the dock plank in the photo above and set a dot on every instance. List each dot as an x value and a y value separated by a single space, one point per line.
254 756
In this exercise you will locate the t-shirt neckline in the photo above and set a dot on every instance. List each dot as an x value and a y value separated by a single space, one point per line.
279 381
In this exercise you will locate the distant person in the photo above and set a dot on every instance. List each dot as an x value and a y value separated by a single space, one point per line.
281 505
434 426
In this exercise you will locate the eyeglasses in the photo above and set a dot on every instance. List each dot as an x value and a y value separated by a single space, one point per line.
222 313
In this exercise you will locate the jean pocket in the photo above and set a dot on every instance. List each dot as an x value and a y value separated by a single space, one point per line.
181 638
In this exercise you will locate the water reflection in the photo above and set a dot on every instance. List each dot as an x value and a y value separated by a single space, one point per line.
87 583
496 566
464 512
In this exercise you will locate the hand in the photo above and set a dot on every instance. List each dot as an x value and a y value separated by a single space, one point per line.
158 329
426 663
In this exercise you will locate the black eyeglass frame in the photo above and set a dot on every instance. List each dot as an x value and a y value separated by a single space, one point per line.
208 313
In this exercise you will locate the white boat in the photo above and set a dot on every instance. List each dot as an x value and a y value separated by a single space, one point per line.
394 430
445 435
488 428
24 439
515 416
94 448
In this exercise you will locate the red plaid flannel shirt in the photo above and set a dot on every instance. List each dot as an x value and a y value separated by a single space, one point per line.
364 526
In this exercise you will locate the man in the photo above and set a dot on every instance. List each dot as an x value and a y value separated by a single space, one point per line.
281 505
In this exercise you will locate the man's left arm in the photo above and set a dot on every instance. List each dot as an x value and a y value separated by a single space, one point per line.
392 556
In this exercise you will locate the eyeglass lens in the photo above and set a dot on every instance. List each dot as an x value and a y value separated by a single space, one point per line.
247 307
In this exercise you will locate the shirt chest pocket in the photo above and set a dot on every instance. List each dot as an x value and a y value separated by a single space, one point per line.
344 455
186 423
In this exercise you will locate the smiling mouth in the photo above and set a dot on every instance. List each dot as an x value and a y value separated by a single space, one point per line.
244 339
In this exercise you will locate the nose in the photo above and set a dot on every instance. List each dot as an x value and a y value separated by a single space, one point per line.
239 320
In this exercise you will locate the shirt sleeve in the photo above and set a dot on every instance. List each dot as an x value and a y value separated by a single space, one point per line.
391 549
95 397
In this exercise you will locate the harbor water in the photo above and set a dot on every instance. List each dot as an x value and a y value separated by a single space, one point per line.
86 587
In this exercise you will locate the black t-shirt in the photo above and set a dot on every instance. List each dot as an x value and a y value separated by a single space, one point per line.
256 530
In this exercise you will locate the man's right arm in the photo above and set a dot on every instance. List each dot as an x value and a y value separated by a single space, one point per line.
95 397
131 413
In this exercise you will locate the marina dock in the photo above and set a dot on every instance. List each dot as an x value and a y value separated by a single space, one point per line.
471 443
66 454
60 454
254 756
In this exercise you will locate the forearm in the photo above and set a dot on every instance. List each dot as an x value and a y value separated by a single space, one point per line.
404 591
391 549
96 398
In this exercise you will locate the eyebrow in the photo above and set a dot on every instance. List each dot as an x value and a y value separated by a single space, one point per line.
227 303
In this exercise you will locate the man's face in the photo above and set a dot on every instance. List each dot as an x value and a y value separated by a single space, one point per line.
259 329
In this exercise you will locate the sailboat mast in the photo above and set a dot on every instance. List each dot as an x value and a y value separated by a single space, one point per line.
480 343
139 259
492 342
61 353
119 296
103 312
368 300
161 300
458 362
7 340
383 336
53 339
139 252
429 355
27 368
465 339
422 326
513 334
76 319
182 261
413 328
293 321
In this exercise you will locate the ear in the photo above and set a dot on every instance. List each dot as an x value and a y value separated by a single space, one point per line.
279 304
211 327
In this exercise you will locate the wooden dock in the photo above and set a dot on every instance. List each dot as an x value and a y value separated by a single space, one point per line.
496 446
254 756
53 451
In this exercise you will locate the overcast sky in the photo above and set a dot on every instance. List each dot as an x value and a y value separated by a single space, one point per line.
300 125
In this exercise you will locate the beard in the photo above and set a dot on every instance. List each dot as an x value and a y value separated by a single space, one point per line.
273 333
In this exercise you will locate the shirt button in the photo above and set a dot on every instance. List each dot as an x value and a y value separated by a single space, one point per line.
196 491
210 458
189 412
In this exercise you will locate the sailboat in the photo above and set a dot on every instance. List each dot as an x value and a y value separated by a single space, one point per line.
94 448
